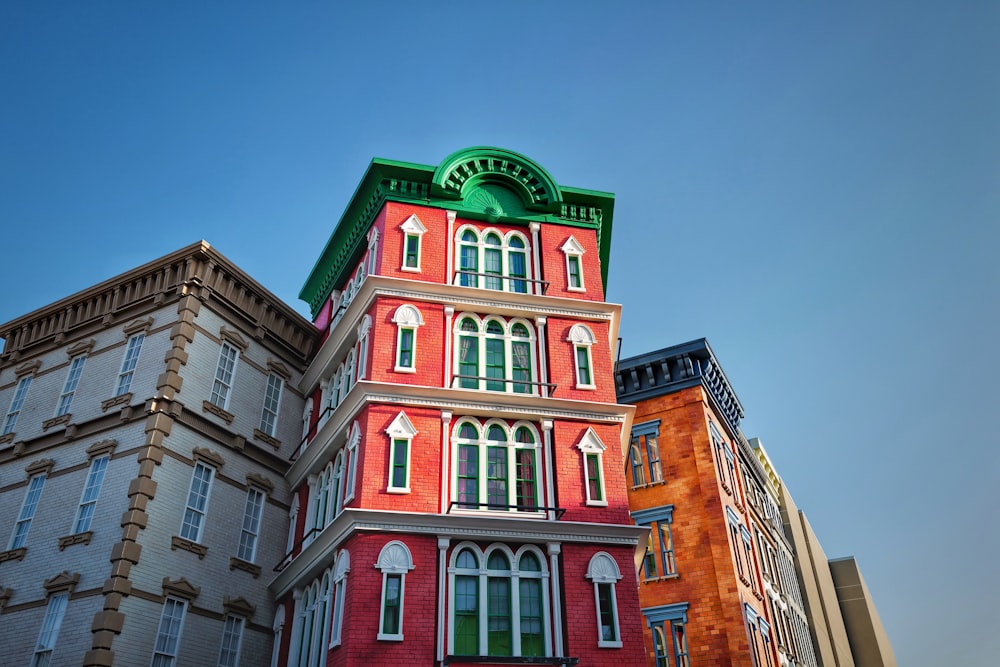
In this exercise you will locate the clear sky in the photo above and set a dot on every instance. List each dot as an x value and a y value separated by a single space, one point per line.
814 187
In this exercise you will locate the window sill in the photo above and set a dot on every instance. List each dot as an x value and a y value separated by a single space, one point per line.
240 564
7 437
397 491
264 437
609 644
597 503
649 484
579 290
410 269
507 660
587 387
121 399
666 577
56 421
389 638
208 406
78 538
404 369
13 554
187 545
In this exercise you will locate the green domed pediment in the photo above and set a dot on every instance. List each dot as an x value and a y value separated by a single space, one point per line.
461 174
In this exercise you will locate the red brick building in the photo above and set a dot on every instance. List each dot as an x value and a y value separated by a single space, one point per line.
701 590
458 493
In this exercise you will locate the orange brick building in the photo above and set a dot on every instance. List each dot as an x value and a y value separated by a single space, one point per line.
701 589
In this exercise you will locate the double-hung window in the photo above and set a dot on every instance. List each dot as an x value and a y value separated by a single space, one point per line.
28 506
16 403
49 632
496 466
413 231
232 637
592 448
492 259
604 573
500 609
669 628
91 490
69 387
394 561
401 433
272 404
168 635
660 560
645 444
407 320
574 264
193 525
583 340
224 373
494 354
250 532
129 362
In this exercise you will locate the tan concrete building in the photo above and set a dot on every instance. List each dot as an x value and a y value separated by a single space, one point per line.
145 428
869 642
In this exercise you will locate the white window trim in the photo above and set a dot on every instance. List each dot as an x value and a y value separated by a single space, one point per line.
340 570
203 513
126 374
604 570
219 382
508 339
26 515
180 629
394 559
351 468
572 248
412 227
505 277
364 331
73 376
16 404
401 428
256 522
583 339
591 444
95 480
240 624
48 634
482 444
372 259
265 410
407 317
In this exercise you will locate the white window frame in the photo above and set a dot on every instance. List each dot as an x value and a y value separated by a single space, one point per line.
373 251
506 279
130 360
49 632
91 490
16 403
225 374
76 365
167 639
572 248
514 575
340 570
273 390
394 561
507 381
194 511
590 445
253 515
603 571
29 505
583 340
400 429
232 641
512 447
364 331
407 318
351 466
412 228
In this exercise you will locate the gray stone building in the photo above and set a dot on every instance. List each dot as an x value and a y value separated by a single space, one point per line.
145 427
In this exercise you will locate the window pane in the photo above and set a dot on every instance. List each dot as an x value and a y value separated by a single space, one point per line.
466 614
498 616
496 474
390 617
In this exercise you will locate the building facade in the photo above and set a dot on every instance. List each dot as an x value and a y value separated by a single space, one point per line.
712 585
147 422
458 498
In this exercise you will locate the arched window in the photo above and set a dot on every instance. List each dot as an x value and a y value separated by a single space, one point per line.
352 461
340 569
592 449
582 339
407 319
574 264
496 466
500 259
363 333
494 354
604 573
500 609
394 561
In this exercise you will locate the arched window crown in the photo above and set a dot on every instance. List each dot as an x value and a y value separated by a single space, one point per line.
365 325
603 569
407 315
394 558
580 334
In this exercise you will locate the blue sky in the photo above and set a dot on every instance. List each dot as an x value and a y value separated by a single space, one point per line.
813 187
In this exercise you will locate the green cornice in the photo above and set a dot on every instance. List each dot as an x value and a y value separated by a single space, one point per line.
480 183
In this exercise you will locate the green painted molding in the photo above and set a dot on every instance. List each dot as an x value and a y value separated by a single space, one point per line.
479 183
